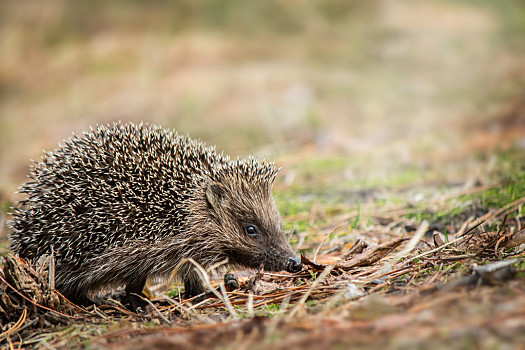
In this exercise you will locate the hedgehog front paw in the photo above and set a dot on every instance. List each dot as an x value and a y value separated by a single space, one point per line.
231 281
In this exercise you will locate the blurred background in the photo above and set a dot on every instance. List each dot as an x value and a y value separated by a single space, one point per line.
366 84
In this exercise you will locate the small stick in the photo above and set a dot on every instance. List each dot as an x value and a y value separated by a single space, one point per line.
412 243
434 250
249 304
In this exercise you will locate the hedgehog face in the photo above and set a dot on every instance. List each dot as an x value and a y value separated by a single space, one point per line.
250 226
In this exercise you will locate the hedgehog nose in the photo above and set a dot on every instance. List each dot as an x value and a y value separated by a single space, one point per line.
294 265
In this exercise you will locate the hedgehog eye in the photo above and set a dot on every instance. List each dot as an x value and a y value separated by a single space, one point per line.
251 230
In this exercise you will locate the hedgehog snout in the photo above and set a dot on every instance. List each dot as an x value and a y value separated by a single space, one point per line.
294 264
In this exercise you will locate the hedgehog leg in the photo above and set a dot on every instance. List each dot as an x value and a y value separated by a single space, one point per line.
133 290
80 300
75 292
192 284
75 295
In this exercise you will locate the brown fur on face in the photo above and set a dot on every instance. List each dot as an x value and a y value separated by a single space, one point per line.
233 206
218 220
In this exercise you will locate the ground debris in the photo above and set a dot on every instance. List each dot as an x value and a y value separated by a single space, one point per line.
367 255
372 255
26 298
490 274
197 337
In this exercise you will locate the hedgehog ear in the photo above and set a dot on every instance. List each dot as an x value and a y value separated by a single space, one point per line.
215 194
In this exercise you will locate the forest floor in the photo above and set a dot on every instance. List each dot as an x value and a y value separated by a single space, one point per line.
428 265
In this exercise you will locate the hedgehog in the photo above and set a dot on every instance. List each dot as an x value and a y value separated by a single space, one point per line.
123 203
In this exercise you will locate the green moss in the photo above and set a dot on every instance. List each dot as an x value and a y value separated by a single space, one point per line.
289 204
507 191
175 291
268 310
